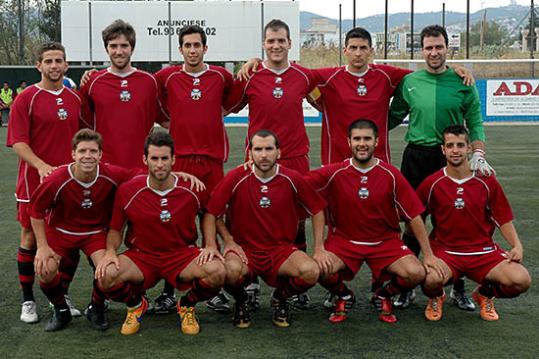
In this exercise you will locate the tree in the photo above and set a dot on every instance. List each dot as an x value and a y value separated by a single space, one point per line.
493 34
50 20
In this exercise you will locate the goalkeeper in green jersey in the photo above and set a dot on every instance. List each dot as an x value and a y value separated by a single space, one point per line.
435 98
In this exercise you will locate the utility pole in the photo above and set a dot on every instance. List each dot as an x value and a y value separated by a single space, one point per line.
20 8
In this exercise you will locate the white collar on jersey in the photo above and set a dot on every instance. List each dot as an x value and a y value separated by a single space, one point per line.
365 170
83 184
357 74
165 192
458 181
196 74
55 93
266 180
121 74
276 72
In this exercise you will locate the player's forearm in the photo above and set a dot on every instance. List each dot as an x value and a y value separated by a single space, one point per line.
114 240
26 154
509 233
318 222
420 232
209 230
478 145
38 227
223 231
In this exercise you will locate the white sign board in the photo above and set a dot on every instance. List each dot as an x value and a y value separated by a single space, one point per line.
234 28
512 97
454 41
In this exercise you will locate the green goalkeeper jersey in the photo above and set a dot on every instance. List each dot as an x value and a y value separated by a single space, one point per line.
434 102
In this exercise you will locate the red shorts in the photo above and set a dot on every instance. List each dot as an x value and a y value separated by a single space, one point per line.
378 257
22 214
299 163
475 267
208 170
266 264
64 244
168 266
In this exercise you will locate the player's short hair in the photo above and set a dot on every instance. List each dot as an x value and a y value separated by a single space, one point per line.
192 29
275 25
456 130
86 135
363 124
358 33
434 31
264 134
49 46
118 28
159 138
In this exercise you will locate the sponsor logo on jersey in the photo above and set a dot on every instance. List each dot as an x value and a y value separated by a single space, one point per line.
196 81
361 90
278 92
410 89
59 101
196 94
165 216
459 203
125 96
363 193
264 202
86 203
264 188
123 83
62 114
278 80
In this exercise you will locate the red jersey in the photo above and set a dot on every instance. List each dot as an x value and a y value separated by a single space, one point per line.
123 109
162 222
263 213
75 207
365 205
466 212
193 104
275 101
347 97
46 121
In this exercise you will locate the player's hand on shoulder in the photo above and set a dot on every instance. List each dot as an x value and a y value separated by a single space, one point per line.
196 184
109 258
466 75
247 68
207 254
86 77
324 261
247 165
44 170
479 164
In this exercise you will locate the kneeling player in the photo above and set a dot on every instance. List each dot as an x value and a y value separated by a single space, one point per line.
162 210
366 200
76 201
262 216
466 208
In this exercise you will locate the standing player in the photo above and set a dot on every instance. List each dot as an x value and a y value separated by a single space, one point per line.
467 207
162 211
275 94
44 118
262 216
192 97
70 211
367 198
121 102
435 98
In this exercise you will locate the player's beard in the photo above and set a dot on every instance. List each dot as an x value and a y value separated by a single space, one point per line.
160 179
366 159
439 65
270 168
122 64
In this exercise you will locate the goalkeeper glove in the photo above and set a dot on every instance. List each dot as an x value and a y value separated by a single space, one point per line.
479 163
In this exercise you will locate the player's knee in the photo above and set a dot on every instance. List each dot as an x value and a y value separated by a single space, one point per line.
414 274
309 271
110 278
233 270
215 272
433 280
522 281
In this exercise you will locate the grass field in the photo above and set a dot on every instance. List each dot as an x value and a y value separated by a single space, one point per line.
512 150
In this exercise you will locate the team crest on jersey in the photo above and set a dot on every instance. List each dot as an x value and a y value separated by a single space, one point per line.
264 202
264 189
62 114
364 179
361 90
86 203
196 94
124 83
459 203
165 216
278 80
125 96
363 193
196 81
278 92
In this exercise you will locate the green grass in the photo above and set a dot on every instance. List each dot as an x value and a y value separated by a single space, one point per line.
512 150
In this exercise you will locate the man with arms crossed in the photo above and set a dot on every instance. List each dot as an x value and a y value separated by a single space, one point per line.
435 98
44 118
162 211
367 198
466 208
262 216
